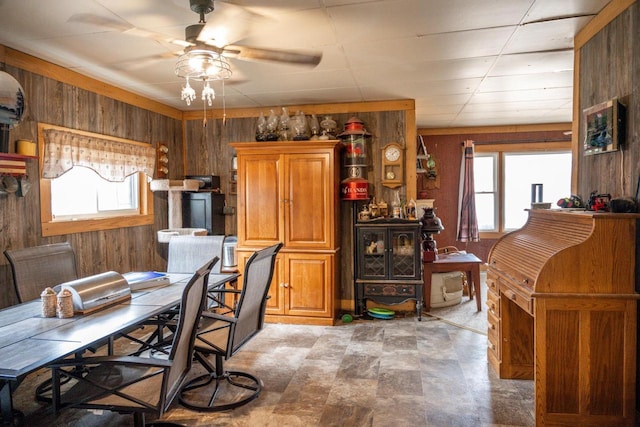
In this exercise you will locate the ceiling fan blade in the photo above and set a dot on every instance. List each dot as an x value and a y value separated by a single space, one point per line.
101 21
274 55
125 28
227 24
140 63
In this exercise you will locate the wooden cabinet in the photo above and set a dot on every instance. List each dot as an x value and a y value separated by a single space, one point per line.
288 192
562 303
388 264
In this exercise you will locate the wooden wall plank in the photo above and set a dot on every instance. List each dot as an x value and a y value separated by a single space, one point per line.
62 104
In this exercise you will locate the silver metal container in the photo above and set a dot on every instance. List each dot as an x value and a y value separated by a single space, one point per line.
229 252
98 291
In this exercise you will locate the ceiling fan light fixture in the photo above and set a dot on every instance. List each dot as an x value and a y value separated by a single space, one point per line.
188 94
202 64
208 94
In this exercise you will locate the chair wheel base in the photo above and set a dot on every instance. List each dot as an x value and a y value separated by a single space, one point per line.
224 392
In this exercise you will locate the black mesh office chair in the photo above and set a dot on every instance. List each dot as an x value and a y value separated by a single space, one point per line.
223 335
133 384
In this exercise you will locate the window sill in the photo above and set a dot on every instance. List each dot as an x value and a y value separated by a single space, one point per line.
57 228
492 235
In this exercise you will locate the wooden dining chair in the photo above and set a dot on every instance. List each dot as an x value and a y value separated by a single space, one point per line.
39 267
135 384
222 336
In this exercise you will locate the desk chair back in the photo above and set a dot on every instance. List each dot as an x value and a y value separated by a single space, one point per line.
252 303
131 384
223 335
188 253
191 306
39 267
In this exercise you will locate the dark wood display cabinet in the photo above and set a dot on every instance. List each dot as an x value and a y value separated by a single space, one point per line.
388 266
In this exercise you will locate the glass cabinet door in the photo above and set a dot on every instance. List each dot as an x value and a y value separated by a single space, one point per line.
372 250
402 253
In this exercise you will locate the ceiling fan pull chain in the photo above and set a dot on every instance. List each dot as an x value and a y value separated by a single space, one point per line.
224 107
204 115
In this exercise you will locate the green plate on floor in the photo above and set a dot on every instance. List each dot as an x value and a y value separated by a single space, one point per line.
381 311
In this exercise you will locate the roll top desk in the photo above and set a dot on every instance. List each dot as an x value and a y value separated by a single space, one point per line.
562 297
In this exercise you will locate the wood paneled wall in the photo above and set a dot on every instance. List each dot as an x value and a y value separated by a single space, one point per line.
55 102
61 97
608 67
445 146
207 152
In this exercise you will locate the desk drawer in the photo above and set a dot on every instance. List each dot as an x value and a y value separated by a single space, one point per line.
493 302
493 350
523 301
493 325
492 283
389 290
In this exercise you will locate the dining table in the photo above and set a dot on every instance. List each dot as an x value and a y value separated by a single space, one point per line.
29 341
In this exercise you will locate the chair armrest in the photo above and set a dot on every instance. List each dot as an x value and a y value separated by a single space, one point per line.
113 360
216 316
225 290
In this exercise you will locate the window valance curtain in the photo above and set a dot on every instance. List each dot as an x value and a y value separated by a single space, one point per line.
112 158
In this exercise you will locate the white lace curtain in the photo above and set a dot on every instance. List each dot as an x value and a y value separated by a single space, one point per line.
112 158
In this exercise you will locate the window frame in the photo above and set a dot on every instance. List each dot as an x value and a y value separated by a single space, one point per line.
53 227
499 150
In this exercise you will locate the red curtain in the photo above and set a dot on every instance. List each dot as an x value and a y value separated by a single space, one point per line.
467 218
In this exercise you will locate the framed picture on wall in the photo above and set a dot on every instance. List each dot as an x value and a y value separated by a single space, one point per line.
604 127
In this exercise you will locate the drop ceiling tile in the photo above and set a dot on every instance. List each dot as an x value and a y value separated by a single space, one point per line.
151 14
530 63
435 120
527 81
427 70
523 95
439 47
432 109
545 105
545 36
298 81
346 94
545 9
305 29
443 100
383 20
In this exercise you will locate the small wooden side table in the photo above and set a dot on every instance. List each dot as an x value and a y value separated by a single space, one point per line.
456 261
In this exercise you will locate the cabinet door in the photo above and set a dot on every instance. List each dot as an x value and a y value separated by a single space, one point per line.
373 247
403 254
308 284
309 201
275 303
259 199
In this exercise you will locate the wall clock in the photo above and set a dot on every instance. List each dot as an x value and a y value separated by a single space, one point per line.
392 165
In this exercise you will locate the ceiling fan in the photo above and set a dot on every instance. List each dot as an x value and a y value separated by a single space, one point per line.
215 36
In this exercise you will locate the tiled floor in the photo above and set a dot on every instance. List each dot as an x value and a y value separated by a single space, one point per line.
398 372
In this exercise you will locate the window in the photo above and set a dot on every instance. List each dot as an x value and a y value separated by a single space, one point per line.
80 201
503 175
75 198
82 193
